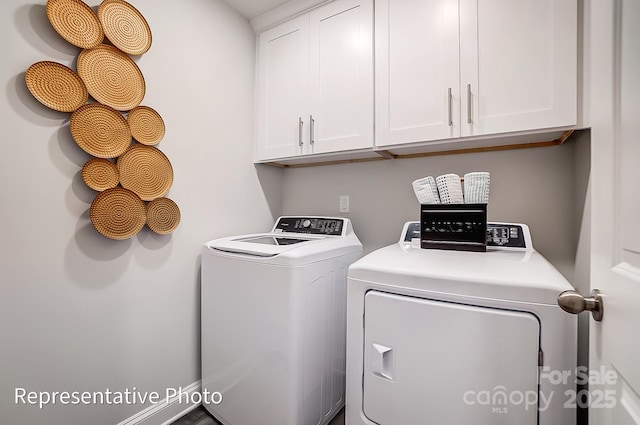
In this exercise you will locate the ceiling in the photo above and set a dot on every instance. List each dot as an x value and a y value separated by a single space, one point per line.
252 8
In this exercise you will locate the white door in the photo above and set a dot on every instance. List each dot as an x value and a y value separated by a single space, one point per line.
283 89
417 76
615 177
341 76
518 65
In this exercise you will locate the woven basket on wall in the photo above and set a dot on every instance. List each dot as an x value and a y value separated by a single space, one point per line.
100 131
146 171
56 86
125 26
163 216
76 22
100 174
118 213
111 77
146 125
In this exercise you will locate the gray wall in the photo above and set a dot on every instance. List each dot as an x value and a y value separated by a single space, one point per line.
79 312
536 186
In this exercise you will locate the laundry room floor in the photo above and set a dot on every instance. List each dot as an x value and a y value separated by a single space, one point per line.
199 416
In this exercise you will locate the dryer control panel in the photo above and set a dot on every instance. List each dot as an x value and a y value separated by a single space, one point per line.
310 225
504 235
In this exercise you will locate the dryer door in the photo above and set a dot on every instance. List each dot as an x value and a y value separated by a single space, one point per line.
435 362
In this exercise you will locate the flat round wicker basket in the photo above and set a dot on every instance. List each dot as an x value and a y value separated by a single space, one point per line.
146 171
163 216
124 26
146 125
111 77
100 174
56 86
117 213
100 131
76 22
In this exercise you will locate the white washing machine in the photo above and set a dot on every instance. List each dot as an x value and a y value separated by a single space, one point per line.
453 338
274 322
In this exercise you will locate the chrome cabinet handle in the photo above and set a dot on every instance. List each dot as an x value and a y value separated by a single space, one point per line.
469 103
300 124
574 303
449 107
312 129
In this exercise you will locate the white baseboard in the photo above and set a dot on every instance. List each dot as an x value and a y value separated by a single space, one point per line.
167 410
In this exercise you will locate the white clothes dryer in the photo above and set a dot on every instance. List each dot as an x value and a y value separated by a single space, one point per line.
274 322
452 337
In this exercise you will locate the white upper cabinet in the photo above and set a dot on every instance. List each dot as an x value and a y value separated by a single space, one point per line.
315 82
519 64
341 76
448 69
283 89
417 78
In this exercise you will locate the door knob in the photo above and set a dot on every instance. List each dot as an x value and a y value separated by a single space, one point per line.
573 302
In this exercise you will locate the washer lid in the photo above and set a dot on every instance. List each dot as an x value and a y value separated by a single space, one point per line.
273 240
524 276
284 249
261 244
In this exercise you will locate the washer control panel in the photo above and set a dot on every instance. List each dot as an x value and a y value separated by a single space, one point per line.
310 225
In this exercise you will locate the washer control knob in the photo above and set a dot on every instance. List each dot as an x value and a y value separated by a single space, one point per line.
306 223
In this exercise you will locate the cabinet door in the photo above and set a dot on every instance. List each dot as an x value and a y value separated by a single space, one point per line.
518 65
417 78
283 89
341 76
